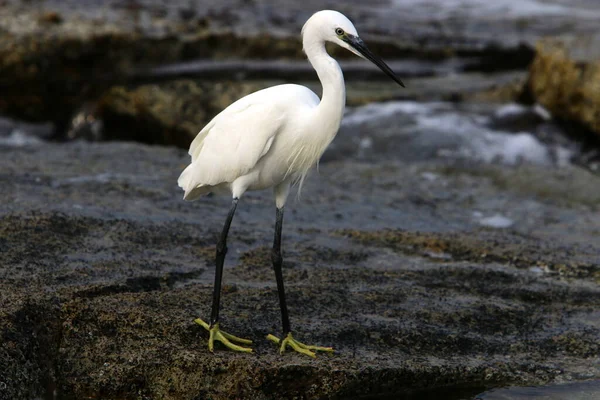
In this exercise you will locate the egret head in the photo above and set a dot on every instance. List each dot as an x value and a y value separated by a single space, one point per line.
333 26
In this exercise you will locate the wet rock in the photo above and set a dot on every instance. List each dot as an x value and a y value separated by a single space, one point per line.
173 112
104 268
55 57
169 113
565 78
51 17
354 69
508 134
572 391
52 63
456 87
18 129
519 118
470 26
85 124
59 66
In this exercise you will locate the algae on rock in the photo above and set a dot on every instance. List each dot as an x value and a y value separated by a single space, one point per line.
169 113
565 78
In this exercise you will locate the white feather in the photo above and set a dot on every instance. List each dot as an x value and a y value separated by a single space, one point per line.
271 138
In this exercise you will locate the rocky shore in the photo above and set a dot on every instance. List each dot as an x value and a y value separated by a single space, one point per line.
448 245
58 56
104 268
565 78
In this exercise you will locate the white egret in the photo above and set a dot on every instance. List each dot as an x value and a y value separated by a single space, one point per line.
271 138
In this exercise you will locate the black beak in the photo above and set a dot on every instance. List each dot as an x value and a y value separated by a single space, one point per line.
360 46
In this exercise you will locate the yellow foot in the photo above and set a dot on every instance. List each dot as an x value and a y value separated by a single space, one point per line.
223 337
296 345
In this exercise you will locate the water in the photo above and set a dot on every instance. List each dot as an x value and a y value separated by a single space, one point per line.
20 134
428 394
494 221
589 390
505 8
508 134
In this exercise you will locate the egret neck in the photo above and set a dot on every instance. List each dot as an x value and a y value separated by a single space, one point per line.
333 99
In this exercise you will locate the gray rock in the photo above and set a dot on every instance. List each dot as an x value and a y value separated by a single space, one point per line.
573 391
64 53
565 78
169 113
103 269
174 111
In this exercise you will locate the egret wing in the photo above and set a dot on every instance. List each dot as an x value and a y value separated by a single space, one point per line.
231 144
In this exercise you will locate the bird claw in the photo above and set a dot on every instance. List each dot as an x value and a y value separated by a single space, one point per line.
297 346
223 337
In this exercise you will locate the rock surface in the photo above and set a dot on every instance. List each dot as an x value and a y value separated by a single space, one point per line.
572 391
565 78
170 113
444 249
409 269
59 57
174 111
59 54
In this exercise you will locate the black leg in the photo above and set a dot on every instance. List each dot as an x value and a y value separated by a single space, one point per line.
277 261
220 260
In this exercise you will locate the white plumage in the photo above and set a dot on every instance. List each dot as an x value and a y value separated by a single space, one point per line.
271 138
257 142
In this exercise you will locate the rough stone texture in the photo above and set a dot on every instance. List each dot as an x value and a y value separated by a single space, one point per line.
573 391
565 78
57 54
394 259
64 51
170 113
173 112
103 268
49 65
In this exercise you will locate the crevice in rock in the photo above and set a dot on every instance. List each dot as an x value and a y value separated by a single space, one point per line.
29 349
140 284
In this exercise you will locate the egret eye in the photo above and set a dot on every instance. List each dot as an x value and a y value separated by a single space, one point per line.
339 31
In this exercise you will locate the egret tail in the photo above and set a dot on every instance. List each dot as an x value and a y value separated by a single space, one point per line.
192 190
